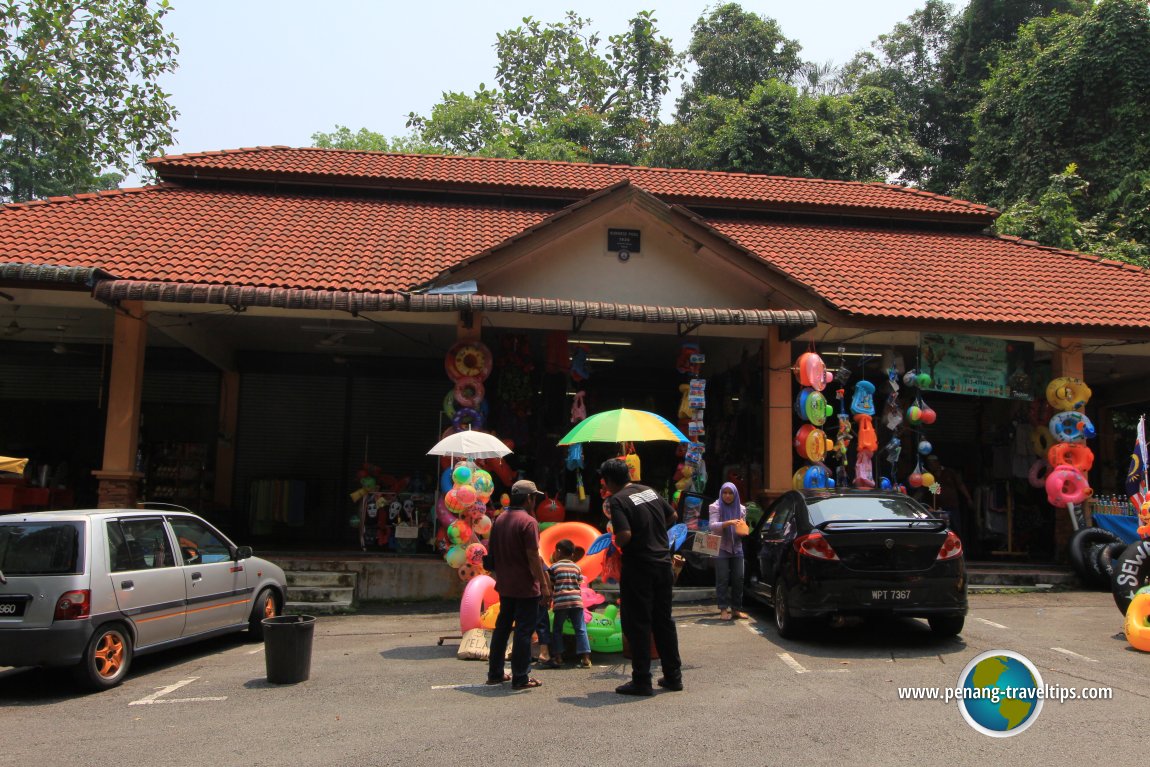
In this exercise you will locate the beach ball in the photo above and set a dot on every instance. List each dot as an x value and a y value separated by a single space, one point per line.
927 479
466 495
483 483
914 414
475 554
454 503
459 532
924 447
477 511
461 475
915 479
928 415
923 380
467 571
482 526
456 556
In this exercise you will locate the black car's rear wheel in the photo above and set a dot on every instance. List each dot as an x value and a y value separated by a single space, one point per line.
106 658
788 626
946 625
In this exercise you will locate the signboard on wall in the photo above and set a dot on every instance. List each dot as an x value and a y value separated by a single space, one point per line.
977 366
623 239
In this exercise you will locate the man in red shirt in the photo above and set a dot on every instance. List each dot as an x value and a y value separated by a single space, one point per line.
520 582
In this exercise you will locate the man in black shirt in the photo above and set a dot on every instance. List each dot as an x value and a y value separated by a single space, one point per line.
639 519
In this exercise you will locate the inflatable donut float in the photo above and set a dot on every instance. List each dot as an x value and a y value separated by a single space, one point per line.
1072 454
1041 440
468 392
811 443
478 596
1071 426
1137 625
1131 573
816 477
811 405
811 371
468 359
467 418
1038 473
449 404
1084 548
1067 393
582 535
1066 485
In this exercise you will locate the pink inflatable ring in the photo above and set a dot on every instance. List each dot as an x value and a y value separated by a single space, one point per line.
1065 485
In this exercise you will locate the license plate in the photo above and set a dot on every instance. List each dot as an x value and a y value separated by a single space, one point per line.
887 595
12 608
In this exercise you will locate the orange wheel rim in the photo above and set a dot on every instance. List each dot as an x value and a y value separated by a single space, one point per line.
270 608
109 655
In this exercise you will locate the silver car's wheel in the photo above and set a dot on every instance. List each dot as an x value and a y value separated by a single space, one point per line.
107 658
266 606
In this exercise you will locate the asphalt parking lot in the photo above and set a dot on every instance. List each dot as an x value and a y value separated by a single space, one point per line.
382 691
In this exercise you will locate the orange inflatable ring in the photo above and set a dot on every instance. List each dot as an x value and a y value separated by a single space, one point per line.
1065 485
582 535
468 392
1138 622
468 358
478 596
1072 454
812 371
1041 440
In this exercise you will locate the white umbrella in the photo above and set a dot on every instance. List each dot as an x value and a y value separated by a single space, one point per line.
472 444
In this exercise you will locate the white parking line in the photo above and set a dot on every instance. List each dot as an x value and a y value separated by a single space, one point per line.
156 697
992 623
461 686
754 629
1071 653
257 650
797 667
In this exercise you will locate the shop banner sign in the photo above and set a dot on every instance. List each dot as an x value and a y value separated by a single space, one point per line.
977 366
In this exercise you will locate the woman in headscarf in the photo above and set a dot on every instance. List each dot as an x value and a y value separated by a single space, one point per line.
727 519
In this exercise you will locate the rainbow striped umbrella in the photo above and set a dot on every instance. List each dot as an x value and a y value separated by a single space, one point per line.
624 425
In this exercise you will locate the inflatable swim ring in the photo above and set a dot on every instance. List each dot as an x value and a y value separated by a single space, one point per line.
467 417
1131 573
469 392
1137 624
1072 454
478 596
1067 393
1038 471
1071 426
1041 440
449 404
811 443
816 477
468 358
811 405
1066 485
582 535
812 371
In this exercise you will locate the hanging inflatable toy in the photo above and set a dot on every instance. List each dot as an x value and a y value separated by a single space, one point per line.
864 468
863 401
1071 426
482 526
924 447
1066 485
811 443
1038 473
483 483
468 359
467 418
469 392
811 405
449 404
1073 454
1041 440
550 510
867 438
814 477
810 370
1067 393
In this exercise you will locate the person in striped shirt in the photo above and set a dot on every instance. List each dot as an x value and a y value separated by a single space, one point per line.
567 604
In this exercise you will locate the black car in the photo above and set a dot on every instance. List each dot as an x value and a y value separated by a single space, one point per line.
826 553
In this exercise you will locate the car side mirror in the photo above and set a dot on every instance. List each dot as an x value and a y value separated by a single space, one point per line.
242 552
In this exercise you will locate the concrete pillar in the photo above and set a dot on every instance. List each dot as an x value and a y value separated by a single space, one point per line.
777 421
119 480
226 437
1067 360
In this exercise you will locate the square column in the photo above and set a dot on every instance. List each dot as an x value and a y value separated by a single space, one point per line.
119 477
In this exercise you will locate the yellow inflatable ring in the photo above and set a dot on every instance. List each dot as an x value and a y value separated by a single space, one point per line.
1041 440
1067 393
468 359
1138 623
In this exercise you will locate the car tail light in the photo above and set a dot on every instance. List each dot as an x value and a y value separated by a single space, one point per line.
815 546
951 547
73 605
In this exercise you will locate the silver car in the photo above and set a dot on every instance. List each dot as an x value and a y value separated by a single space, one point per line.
92 589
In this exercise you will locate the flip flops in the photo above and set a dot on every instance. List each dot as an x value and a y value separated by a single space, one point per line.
530 683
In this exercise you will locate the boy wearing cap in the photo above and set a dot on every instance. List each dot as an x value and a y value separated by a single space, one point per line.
520 582
567 604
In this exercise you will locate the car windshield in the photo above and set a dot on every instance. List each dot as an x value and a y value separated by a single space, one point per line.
844 508
40 548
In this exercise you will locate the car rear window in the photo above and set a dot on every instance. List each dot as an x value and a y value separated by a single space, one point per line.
40 548
839 509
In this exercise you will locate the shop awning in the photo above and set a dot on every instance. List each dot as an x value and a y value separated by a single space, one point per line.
359 302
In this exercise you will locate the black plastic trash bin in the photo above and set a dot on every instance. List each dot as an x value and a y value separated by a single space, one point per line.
287 647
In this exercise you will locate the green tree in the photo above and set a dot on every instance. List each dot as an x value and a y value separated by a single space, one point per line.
1070 90
733 51
80 94
562 93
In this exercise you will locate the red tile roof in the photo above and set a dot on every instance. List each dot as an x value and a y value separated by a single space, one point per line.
253 238
570 180
950 276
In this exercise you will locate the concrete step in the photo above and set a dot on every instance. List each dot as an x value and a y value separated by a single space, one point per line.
318 608
1022 576
320 578
314 594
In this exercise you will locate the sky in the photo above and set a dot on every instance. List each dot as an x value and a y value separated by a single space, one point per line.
274 72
